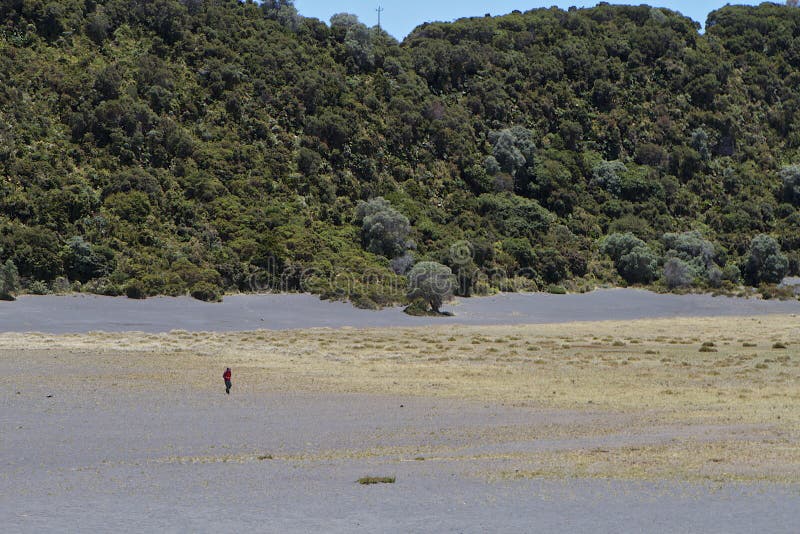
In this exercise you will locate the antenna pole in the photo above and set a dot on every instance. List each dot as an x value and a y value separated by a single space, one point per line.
379 10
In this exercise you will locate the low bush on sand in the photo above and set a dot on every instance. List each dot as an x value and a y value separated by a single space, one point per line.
376 480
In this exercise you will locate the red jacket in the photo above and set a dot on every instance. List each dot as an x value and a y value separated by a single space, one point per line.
227 374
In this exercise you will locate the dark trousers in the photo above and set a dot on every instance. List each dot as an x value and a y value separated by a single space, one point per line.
228 387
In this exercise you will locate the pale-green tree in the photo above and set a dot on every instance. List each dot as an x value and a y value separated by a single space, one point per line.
432 282
384 229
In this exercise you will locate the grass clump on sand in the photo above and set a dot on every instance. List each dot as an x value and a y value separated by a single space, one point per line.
708 346
778 345
376 480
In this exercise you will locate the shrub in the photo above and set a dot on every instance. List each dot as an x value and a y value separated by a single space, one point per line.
513 215
84 261
102 286
765 262
402 264
61 285
690 246
431 282
699 142
632 224
640 265
696 254
34 250
206 292
135 289
492 166
37 287
417 308
731 273
521 250
133 206
714 276
633 259
677 273
553 266
376 480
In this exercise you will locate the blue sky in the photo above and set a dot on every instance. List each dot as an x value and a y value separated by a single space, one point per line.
401 16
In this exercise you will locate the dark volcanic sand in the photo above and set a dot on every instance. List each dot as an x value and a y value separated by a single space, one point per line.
98 459
93 458
84 313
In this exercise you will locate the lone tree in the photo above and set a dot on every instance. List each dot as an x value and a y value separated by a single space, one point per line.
9 280
431 282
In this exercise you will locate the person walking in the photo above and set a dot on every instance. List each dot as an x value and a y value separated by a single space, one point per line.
226 376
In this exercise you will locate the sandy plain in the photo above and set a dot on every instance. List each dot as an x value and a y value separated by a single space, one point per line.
650 425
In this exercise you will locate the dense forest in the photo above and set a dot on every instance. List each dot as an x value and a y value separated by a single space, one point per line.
202 146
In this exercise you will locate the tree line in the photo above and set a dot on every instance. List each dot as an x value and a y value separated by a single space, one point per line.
204 146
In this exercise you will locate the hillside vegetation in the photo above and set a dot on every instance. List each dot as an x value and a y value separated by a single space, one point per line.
164 147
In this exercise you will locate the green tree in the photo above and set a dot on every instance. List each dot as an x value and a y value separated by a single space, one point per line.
639 266
513 152
619 244
206 292
384 230
84 261
690 246
633 259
